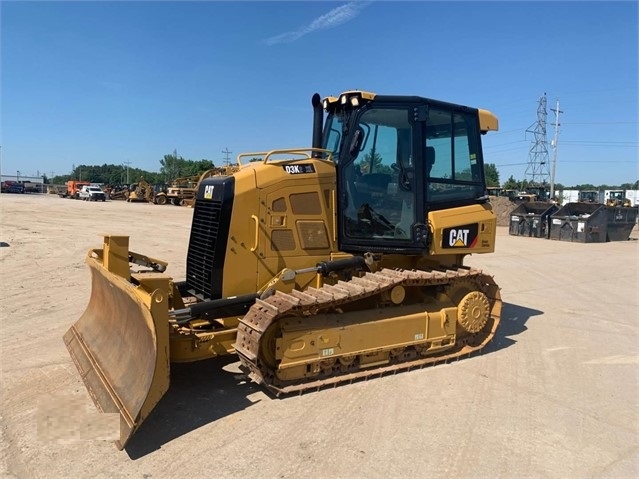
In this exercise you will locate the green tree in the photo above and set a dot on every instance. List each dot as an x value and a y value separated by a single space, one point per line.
172 167
199 167
512 184
107 174
492 174
372 163
119 174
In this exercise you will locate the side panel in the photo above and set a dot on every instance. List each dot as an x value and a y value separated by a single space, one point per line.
463 230
296 218
266 217
240 265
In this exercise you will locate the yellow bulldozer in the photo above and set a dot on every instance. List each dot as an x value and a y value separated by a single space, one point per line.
618 198
118 192
179 191
142 192
182 191
315 266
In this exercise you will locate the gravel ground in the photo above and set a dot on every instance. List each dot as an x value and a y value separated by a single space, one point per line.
555 395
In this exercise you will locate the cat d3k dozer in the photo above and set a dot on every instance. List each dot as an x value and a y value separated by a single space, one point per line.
315 266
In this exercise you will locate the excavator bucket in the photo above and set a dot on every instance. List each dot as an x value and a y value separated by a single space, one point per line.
120 344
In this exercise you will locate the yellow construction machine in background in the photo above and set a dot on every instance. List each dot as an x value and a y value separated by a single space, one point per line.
141 192
589 196
181 192
314 265
118 192
618 198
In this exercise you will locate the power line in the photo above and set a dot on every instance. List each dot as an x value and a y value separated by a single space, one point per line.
495 152
600 161
572 161
506 131
602 123
512 164
602 143
504 144
587 143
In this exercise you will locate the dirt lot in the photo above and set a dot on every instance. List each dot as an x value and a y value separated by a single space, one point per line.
555 395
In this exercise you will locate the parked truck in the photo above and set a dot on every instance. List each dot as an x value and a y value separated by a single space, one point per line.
73 189
11 187
92 193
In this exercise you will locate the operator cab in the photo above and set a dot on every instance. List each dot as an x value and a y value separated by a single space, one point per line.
399 157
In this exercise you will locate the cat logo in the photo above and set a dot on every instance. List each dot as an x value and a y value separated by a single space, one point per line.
464 236
458 238
208 192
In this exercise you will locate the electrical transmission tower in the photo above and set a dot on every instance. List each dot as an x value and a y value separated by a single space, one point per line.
538 169
226 153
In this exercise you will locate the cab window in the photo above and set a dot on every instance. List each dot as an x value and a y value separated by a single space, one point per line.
379 196
452 157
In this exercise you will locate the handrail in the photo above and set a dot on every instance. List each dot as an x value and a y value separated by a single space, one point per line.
305 152
257 231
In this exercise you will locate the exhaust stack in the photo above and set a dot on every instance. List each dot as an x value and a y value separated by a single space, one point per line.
318 122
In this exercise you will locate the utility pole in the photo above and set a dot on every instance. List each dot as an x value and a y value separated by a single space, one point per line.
227 153
127 163
554 148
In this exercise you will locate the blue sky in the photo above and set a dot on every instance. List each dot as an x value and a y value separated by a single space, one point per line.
115 82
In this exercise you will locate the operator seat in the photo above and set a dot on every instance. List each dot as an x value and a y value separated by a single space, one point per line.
430 159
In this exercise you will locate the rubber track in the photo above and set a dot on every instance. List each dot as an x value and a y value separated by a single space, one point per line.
265 312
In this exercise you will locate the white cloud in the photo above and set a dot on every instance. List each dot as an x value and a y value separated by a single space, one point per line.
332 19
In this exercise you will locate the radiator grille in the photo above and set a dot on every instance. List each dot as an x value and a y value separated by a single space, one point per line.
203 246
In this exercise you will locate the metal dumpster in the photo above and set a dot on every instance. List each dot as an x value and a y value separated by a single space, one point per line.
580 223
621 221
532 219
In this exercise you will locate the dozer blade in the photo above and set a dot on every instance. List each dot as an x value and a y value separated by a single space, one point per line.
120 346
